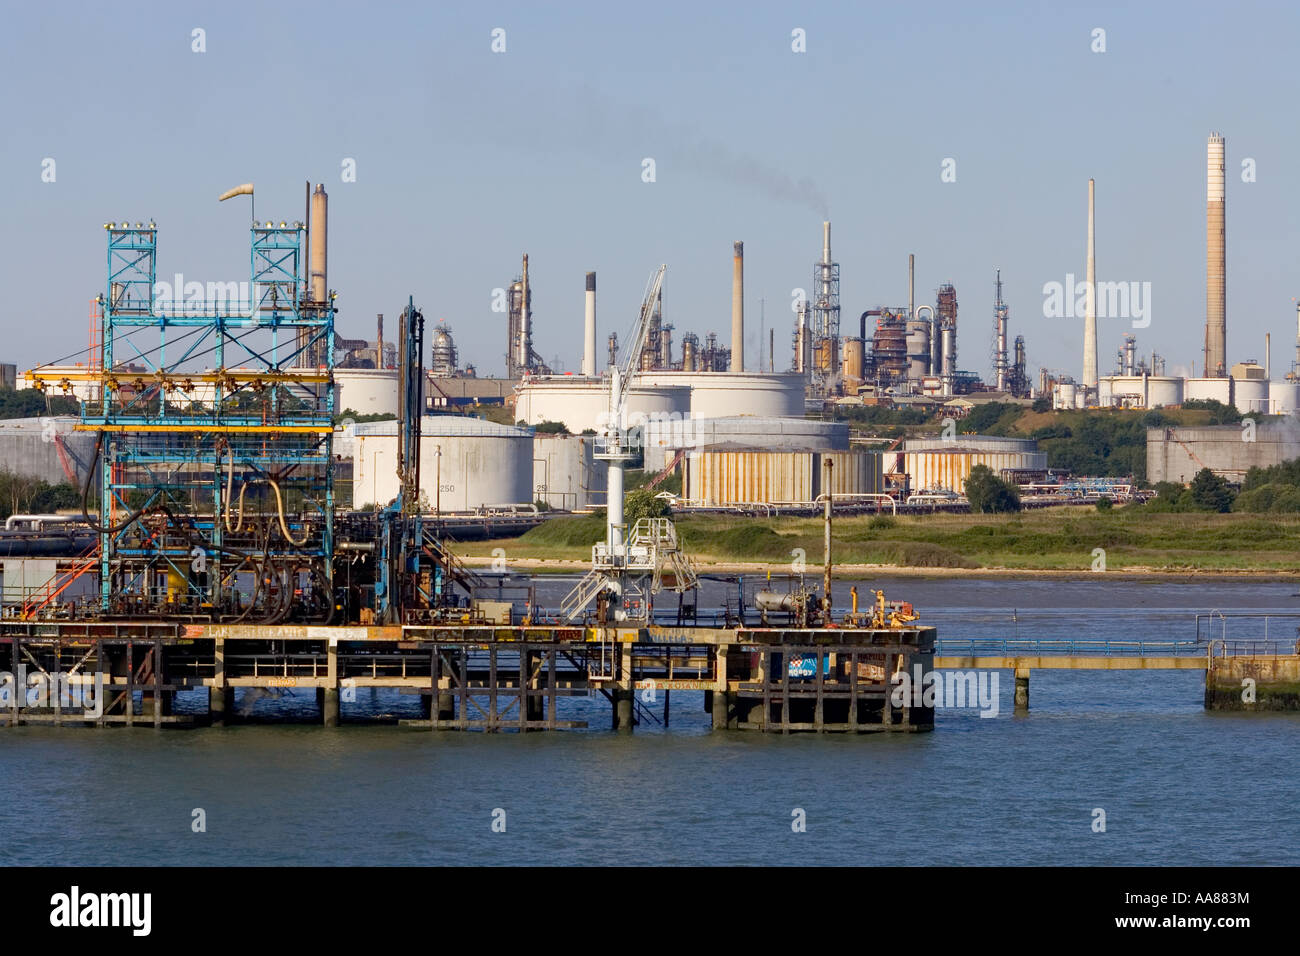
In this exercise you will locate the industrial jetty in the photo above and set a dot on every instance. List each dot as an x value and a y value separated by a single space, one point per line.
217 557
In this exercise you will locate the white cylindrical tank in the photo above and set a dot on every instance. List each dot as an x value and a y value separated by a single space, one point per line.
1204 389
1283 398
1105 395
465 463
366 391
1064 395
728 394
1163 390
581 404
1250 394
566 475
918 348
1125 391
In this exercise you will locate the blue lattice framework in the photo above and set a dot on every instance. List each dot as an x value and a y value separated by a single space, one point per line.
216 438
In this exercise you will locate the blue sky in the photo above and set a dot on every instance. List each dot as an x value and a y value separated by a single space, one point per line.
465 159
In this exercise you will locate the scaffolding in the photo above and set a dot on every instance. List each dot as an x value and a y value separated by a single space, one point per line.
215 442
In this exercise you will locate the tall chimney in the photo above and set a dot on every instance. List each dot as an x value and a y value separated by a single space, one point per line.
1216 285
589 330
738 306
1090 317
1268 357
911 286
379 344
319 243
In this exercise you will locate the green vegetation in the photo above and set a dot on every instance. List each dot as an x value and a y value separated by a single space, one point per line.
32 403
1207 492
643 504
989 494
1273 490
1050 539
551 428
23 494
349 414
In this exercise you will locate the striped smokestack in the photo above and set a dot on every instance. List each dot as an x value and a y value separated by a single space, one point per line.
738 308
1216 285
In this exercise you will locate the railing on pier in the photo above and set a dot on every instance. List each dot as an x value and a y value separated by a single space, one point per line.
1013 647
1250 628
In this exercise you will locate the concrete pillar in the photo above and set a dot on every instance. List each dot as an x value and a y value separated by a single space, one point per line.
1022 690
623 709
216 706
721 699
446 705
623 690
327 698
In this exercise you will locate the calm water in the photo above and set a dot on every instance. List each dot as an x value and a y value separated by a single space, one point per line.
1177 785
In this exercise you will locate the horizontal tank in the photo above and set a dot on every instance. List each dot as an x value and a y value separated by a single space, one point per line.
566 474
1250 395
1205 389
366 391
931 470
465 463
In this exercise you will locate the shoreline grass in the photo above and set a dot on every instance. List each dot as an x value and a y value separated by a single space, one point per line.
1054 539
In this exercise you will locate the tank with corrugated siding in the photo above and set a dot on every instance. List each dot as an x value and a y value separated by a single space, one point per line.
948 470
717 478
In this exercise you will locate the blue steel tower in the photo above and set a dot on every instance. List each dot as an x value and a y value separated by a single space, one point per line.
214 453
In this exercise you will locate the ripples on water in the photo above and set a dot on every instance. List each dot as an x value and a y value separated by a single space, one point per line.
1179 786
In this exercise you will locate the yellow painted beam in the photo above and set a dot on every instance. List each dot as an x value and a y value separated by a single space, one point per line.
175 378
221 429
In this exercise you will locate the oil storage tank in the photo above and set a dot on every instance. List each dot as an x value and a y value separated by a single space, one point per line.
582 404
1250 395
1205 389
728 394
566 474
723 478
466 464
662 439
366 391
1283 397
1164 390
